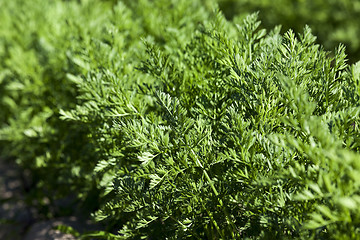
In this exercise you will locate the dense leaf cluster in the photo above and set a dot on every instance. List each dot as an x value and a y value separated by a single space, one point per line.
170 122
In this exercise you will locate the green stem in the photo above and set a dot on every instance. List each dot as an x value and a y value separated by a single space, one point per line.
228 219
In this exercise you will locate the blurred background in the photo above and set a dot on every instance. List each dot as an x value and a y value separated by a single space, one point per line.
332 21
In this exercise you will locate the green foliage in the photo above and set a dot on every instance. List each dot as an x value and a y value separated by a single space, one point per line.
171 122
333 21
41 45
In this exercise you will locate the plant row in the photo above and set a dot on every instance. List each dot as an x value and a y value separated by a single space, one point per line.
164 120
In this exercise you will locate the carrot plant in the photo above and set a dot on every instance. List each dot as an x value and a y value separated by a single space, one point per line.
172 122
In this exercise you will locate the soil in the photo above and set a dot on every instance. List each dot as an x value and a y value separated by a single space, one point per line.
21 222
